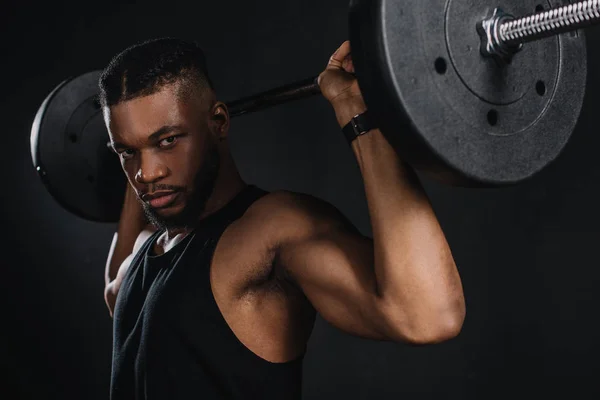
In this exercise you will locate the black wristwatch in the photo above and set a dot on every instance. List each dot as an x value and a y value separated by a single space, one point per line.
358 125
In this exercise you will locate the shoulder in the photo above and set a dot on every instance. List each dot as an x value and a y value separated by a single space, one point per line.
288 215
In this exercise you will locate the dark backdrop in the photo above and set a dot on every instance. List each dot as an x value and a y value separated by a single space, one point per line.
527 254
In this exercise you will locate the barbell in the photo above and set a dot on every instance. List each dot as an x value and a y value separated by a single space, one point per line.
468 93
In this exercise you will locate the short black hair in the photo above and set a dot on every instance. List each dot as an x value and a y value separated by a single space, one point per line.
144 68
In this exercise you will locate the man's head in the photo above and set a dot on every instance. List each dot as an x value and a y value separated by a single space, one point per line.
165 124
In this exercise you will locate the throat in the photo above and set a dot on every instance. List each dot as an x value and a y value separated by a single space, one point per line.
169 239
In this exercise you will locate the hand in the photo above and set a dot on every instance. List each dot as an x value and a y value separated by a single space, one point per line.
340 87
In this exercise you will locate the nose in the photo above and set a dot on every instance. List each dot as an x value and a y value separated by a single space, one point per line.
150 171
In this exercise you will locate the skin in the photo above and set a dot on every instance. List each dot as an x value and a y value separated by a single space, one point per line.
292 255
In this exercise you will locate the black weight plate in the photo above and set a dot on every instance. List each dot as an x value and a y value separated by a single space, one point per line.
69 151
454 114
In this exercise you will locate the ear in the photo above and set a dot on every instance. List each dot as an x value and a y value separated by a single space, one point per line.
220 120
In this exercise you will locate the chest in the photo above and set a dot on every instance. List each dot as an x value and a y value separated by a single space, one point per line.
198 280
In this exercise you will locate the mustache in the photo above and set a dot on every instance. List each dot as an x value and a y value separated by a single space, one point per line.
157 187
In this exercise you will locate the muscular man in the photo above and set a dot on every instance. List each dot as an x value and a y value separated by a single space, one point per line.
219 297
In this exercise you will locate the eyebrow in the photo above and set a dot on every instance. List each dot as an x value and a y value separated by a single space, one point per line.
153 136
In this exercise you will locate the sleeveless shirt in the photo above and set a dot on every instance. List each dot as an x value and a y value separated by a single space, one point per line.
170 341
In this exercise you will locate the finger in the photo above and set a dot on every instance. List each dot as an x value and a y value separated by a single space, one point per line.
342 52
337 58
348 65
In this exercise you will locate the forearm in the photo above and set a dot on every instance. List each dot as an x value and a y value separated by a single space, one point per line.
414 268
131 223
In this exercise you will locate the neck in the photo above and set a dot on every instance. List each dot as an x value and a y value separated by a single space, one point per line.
227 185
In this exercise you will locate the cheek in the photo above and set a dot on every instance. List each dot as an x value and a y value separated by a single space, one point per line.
186 163
130 168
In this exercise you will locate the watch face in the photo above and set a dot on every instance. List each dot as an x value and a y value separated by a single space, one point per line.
358 125
361 124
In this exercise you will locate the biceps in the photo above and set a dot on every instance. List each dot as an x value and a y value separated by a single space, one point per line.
339 281
354 314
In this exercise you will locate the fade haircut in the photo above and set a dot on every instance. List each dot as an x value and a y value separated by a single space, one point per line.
146 67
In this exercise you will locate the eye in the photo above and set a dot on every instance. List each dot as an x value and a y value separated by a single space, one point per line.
128 153
166 142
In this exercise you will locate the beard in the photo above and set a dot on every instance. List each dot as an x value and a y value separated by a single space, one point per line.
203 186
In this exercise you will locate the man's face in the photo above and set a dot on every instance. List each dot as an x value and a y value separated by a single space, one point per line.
168 152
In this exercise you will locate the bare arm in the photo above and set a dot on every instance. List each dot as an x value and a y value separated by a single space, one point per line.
132 232
403 284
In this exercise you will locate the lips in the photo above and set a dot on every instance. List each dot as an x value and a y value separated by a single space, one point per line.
160 199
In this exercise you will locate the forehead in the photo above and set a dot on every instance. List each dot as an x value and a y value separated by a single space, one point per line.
145 115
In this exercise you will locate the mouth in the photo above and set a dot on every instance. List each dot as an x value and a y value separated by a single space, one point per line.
160 199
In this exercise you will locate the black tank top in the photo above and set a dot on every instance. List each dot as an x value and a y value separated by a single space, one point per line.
170 339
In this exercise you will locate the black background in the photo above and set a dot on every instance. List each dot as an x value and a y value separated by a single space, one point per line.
527 255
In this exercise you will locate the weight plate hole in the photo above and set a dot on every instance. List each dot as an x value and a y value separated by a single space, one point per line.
440 65
539 8
90 179
73 138
540 88
492 117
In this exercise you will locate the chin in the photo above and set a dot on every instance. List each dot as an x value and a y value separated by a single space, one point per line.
165 217
168 211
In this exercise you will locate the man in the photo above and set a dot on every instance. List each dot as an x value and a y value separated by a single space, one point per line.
218 300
